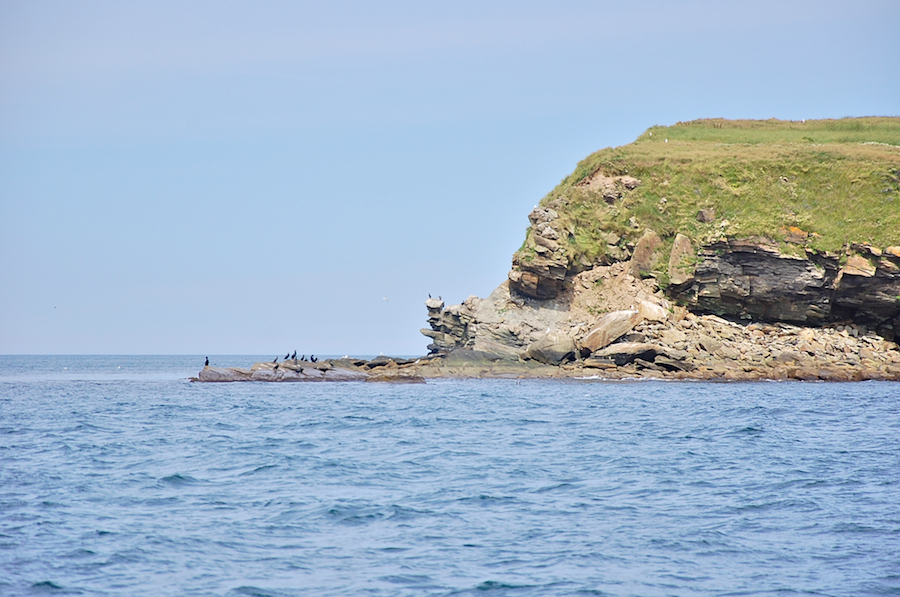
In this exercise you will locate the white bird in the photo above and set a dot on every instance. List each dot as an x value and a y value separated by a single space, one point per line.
385 298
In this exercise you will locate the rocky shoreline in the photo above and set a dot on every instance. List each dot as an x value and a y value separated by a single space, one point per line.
627 344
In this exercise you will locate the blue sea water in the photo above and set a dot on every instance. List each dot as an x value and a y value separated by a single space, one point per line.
119 477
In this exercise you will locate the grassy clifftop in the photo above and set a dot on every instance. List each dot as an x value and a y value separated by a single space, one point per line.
837 181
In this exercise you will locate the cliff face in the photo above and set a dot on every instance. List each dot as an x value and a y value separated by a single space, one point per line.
754 281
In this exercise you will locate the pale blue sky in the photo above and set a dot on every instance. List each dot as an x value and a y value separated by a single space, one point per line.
258 177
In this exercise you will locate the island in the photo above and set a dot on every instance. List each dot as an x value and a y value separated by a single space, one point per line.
710 249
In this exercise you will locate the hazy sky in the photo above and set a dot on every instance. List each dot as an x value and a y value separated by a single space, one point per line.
257 177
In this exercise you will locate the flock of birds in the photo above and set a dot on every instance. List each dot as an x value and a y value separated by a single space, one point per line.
293 357
287 357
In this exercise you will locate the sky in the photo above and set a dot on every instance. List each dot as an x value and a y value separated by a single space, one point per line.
260 177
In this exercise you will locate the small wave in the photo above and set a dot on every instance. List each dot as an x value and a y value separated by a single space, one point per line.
407 579
255 592
48 586
177 479
749 430
554 487
493 585
485 499
259 469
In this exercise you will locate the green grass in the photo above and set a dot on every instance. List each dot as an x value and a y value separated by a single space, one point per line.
838 180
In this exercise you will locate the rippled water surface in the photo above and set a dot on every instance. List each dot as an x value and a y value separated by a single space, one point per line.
119 477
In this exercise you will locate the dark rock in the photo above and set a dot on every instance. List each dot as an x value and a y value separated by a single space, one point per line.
599 363
706 215
624 353
541 277
750 279
634 337
671 364
642 364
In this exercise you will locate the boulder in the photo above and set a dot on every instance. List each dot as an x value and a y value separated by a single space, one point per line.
706 216
857 265
643 259
552 348
433 304
652 312
710 345
610 327
682 261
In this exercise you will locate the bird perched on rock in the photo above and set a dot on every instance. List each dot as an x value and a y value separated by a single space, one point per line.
206 364
294 356
276 360
287 356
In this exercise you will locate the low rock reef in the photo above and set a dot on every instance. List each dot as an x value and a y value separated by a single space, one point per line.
295 370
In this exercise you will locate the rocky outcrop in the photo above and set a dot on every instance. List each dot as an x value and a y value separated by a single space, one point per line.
449 329
287 372
611 187
645 253
540 273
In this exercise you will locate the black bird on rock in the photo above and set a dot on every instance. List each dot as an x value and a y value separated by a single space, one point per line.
287 356
276 360
206 364
294 356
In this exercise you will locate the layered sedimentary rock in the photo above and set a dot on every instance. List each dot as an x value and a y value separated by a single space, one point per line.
753 280
540 274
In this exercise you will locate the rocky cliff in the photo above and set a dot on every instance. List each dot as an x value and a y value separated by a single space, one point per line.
642 238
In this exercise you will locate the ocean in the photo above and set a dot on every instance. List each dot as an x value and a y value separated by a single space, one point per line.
120 477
